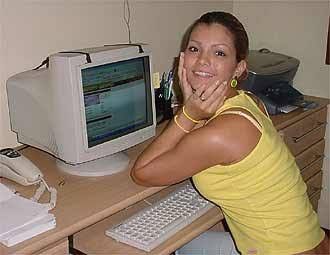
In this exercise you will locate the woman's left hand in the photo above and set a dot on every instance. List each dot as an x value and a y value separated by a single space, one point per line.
203 102
184 84
206 100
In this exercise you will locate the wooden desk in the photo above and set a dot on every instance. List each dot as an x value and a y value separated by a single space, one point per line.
85 204
84 201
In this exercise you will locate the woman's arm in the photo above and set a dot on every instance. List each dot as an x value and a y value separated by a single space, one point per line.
220 142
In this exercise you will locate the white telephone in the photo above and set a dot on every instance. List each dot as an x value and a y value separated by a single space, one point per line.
16 167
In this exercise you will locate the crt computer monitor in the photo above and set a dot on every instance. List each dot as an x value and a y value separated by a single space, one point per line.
86 107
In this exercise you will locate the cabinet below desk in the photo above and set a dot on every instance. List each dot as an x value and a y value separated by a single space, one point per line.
303 132
94 241
59 248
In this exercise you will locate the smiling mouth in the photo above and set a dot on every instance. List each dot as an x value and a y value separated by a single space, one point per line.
203 74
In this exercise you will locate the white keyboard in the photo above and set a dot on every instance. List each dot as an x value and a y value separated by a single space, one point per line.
153 225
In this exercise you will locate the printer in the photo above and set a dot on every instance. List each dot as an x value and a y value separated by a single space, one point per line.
270 78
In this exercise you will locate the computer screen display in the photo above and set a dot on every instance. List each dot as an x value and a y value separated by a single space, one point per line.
117 99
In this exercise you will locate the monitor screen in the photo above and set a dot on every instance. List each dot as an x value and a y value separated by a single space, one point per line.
117 99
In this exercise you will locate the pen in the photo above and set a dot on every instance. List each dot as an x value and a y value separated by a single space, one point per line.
163 79
169 82
163 86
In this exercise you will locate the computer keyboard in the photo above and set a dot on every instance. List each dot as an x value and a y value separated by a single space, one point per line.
153 225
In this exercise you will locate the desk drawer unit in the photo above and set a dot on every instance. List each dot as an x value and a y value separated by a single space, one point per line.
302 134
314 184
310 161
314 199
305 139
311 169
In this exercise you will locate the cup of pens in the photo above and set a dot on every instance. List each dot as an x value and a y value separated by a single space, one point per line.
163 97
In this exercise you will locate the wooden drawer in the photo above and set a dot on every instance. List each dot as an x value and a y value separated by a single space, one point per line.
311 155
314 199
59 248
312 169
305 132
314 184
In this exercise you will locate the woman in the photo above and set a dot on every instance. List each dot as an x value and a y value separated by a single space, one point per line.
224 139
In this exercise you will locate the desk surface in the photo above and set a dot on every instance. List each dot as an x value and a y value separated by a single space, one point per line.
81 201
84 201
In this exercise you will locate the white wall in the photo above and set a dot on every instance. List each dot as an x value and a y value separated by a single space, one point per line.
298 29
30 30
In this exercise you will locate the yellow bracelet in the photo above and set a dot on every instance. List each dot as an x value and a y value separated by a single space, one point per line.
188 117
177 123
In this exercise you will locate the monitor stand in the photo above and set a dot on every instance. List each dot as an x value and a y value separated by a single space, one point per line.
100 167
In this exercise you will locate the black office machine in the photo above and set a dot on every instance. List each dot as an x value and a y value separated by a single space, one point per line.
270 78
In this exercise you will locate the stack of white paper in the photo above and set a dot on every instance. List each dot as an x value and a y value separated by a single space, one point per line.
21 218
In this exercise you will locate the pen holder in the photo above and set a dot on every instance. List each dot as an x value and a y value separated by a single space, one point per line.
164 110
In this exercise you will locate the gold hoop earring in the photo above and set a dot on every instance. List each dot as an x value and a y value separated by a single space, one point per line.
233 82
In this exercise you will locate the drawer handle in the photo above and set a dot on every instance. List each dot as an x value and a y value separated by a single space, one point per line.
297 139
315 189
316 159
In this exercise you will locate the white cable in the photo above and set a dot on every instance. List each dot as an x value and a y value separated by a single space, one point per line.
44 182
53 194
53 197
39 192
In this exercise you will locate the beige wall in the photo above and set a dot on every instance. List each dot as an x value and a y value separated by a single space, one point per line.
295 28
30 30
299 29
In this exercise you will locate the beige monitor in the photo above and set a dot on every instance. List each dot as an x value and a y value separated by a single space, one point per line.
86 107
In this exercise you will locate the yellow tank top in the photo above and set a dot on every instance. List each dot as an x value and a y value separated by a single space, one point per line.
263 197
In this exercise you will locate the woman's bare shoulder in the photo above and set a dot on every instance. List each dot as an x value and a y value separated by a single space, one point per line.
234 133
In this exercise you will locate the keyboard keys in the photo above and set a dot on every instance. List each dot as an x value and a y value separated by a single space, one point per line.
153 225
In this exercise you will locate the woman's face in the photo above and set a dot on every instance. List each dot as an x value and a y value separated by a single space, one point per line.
210 55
